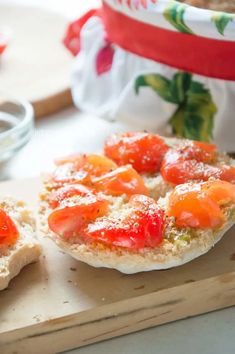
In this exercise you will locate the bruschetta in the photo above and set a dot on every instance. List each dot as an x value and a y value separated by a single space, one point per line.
18 243
148 203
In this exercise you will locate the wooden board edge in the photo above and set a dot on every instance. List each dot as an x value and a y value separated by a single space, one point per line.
123 317
53 103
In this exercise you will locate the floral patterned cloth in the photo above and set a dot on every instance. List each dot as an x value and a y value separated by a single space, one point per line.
144 94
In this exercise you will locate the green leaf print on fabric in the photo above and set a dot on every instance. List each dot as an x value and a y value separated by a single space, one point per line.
158 83
179 86
221 20
199 113
174 13
194 116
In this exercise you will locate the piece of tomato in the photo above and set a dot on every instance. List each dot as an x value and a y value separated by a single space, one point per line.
69 191
227 173
183 171
8 230
190 162
142 226
81 168
69 221
100 164
194 209
221 192
123 180
144 151
200 151
67 173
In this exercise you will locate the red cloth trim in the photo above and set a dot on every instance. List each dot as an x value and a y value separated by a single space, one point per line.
193 53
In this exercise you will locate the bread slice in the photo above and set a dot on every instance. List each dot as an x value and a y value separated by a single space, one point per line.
26 249
178 247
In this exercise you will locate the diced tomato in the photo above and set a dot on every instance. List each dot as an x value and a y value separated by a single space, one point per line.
194 209
221 192
228 174
68 191
200 151
190 161
144 151
191 170
81 168
142 227
8 230
68 174
123 180
75 158
70 220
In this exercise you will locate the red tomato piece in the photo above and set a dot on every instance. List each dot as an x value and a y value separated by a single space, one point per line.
179 172
142 227
194 209
190 161
81 168
69 221
200 151
67 173
227 173
8 230
69 191
144 151
221 192
123 180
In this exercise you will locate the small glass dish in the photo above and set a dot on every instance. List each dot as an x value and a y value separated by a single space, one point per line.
16 126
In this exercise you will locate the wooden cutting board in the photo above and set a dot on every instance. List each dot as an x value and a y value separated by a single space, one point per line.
60 303
36 66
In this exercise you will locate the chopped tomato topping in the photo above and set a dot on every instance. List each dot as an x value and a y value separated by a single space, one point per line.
193 162
200 151
144 151
68 191
67 173
221 192
183 171
70 220
194 208
123 180
227 173
141 227
8 230
81 168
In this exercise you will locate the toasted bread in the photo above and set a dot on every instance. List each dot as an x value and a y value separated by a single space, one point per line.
26 249
177 248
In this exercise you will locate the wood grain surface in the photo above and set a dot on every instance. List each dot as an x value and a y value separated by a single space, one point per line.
60 303
36 66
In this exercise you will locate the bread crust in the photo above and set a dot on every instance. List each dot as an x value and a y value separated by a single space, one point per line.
26 249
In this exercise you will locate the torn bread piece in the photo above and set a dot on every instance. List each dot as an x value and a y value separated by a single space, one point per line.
18 243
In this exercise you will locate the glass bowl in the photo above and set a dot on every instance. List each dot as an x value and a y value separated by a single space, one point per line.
16 126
